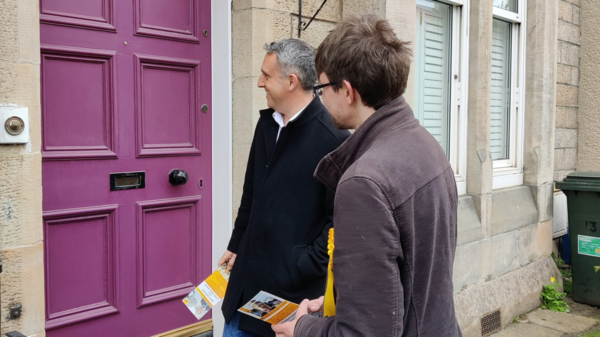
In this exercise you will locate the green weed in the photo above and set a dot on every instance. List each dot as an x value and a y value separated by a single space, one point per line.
591 334
568 286
559 262
553 299
566 273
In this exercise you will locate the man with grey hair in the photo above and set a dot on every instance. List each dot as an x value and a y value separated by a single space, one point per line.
279 243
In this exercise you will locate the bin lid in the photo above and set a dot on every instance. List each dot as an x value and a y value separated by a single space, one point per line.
581 181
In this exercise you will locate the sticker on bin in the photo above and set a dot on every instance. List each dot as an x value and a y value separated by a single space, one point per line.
588 245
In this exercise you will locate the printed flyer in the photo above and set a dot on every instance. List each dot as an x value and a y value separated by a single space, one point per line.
270 308
208 293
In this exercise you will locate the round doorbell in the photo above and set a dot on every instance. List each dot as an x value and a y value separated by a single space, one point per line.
14 125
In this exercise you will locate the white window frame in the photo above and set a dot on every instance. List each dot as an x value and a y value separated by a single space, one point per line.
509 172
222 135
459 84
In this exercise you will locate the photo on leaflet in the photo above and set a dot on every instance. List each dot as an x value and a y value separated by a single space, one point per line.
197 305
261 305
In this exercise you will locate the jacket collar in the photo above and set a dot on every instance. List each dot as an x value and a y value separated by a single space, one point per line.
388 117
312 109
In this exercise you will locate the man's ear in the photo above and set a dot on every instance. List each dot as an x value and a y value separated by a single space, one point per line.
349 92
293 81
352 95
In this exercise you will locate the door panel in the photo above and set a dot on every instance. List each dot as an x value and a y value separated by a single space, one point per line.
166 105
82 245
169 238
95 14
174 19
122 86
78 91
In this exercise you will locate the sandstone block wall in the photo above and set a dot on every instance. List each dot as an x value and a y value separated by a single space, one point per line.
588 151
21 233
567 87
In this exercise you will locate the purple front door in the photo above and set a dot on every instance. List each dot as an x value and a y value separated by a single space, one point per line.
124 89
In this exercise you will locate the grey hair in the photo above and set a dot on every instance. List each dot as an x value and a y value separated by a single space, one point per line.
295 57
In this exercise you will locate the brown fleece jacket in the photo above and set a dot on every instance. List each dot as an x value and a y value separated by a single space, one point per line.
395 232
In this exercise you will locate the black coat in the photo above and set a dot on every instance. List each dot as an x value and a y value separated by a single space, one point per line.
280 234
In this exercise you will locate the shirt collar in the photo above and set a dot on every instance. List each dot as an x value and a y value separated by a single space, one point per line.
278 116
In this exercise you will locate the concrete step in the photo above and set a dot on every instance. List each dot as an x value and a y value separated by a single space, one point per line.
529 330
547 323
560 321
204 334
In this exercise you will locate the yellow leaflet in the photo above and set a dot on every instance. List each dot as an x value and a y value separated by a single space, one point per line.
206 299
288 309
217 283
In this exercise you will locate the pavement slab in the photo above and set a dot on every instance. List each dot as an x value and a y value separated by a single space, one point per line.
529 330
564 322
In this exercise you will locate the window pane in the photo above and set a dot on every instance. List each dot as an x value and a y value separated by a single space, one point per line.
509 5
501 65
432 72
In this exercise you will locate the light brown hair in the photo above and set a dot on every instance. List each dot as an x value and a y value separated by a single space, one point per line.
365 51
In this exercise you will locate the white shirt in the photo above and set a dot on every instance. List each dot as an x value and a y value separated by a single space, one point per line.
278 117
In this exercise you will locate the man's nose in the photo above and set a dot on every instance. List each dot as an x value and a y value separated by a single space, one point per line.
260 83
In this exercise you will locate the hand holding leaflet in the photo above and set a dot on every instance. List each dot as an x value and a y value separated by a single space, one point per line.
286 329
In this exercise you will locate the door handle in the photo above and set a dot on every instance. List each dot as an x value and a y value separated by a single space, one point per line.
178 177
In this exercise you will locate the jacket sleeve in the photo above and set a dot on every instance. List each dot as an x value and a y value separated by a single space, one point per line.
370 299
313 262
243 216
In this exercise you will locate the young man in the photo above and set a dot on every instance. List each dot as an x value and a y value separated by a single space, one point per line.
396 201
279 243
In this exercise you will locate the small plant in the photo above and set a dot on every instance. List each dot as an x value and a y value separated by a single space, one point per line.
553 299
516 320
568 286
559 262
566 273
591 334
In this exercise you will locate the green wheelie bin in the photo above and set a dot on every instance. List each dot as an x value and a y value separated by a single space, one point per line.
583 201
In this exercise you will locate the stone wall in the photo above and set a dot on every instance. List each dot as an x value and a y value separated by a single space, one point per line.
505 235
588 156
567 87
22 279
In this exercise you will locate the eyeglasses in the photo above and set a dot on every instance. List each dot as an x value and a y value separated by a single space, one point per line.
318 90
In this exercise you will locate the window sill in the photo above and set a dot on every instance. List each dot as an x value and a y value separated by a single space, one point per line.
504 178
461 187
